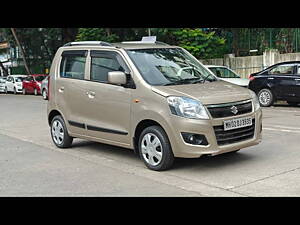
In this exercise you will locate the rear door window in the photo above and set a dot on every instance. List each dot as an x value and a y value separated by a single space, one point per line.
73 64
282 70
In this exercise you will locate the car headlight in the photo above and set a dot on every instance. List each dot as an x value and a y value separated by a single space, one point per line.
187 107
255 100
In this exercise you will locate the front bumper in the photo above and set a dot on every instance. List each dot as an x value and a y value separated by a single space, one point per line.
206 127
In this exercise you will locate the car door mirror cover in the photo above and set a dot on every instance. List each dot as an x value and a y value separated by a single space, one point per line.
117 77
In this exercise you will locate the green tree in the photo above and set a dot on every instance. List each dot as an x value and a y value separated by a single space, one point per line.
96 34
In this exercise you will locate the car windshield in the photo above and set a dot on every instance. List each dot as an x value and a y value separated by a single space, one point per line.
223 72
40 78
19 79
169 66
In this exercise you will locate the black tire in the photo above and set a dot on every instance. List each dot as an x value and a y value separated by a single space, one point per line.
265 97
44 94
24 91
293 103
167 158
67 139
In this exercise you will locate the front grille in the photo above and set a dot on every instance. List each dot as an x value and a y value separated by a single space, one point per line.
235 135
225 110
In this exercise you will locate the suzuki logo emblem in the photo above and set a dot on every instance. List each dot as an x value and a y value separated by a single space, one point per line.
234 110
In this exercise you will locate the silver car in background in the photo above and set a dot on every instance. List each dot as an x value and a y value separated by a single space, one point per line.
226 74
2 84
44 88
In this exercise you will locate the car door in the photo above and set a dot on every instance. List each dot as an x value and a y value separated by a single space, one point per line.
297 80
281 79
9 84
27 84
109 105
70 89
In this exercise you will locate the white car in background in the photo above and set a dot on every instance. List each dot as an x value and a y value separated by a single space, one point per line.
14 83
226 74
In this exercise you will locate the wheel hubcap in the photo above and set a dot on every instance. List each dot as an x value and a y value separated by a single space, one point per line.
57 132
264 98
151 149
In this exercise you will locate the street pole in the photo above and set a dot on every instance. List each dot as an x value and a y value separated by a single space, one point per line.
22 50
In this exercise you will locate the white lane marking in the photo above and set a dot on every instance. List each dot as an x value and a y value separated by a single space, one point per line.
281 130
286 127
281 110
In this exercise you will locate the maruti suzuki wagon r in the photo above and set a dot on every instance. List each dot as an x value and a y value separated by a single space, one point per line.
148 96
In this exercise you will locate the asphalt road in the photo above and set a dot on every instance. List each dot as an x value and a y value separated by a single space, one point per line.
30 164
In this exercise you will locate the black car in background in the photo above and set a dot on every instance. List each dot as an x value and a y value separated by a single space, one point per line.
278 82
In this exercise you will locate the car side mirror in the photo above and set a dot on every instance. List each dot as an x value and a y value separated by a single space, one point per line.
116 77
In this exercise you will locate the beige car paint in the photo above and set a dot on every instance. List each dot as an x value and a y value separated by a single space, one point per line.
122 109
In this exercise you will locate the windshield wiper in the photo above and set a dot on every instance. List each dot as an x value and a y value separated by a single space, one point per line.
184 81
205 78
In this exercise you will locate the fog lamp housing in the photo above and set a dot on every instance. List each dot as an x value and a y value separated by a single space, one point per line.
194 139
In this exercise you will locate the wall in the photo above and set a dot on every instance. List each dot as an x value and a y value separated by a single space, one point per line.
246 65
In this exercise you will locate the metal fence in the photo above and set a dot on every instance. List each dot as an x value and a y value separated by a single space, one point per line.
242 40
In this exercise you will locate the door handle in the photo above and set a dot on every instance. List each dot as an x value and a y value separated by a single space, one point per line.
61 89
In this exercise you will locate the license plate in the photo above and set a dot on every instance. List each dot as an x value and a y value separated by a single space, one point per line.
237 123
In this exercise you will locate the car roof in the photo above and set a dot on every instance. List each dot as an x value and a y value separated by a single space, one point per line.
141 45
144 44
286 62
18 75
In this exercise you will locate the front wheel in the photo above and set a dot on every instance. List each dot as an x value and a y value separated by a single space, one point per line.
155 149
265 97
59 133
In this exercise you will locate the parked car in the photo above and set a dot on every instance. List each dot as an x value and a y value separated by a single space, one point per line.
278 82
151 97
44 88
2 84
226 74
14 83
32 84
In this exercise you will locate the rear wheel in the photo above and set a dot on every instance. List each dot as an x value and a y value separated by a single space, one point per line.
265 97
44 93
155 149
59 133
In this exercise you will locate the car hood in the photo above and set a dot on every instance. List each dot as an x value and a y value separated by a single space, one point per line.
237 81
208 93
